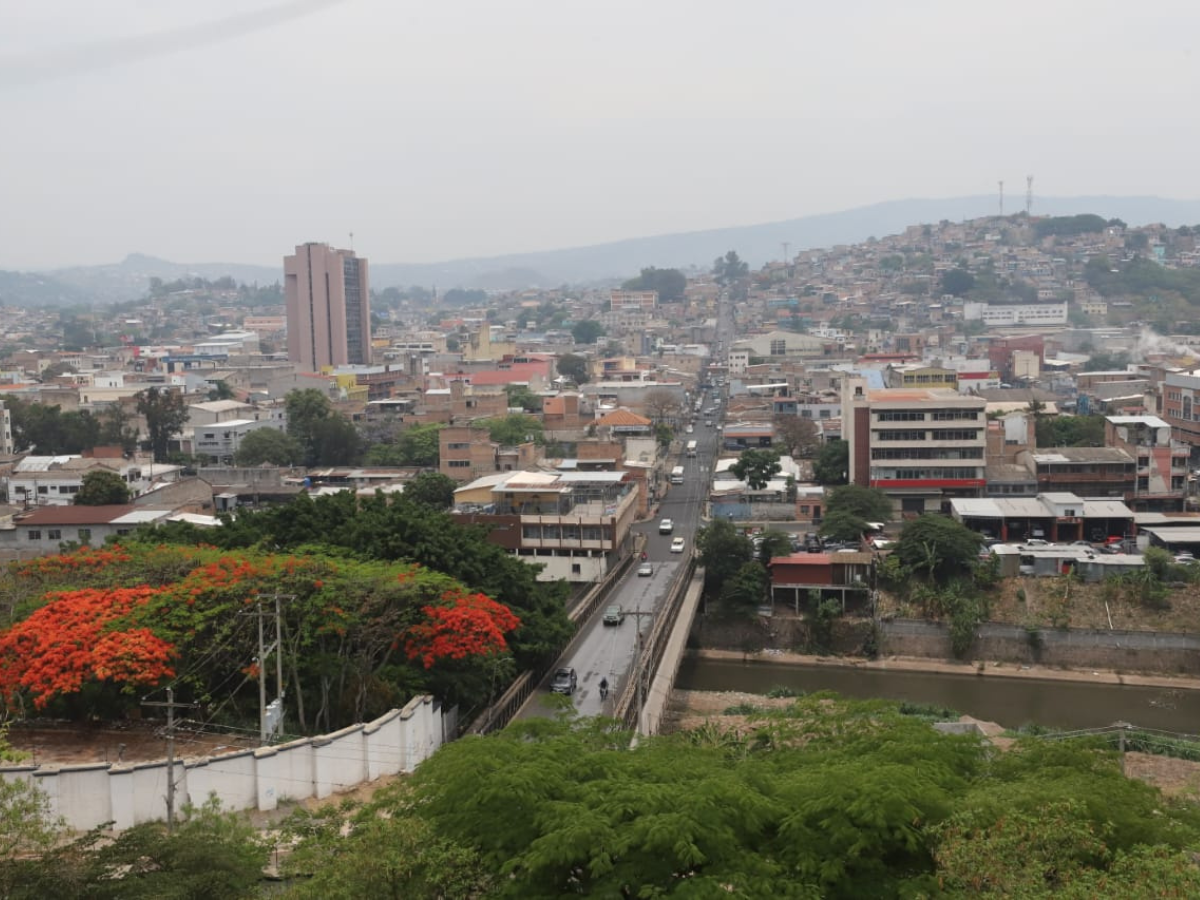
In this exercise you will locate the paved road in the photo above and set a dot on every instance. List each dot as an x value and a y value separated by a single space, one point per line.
607 651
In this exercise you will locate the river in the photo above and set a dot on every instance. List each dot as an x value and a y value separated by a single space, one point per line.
1009 701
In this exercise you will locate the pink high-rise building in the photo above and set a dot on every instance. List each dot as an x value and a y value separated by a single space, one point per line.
328 307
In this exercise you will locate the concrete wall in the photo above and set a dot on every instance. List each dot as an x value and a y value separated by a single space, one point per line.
92 795
1077 648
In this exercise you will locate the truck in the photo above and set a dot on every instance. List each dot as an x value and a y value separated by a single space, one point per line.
691 448
677 475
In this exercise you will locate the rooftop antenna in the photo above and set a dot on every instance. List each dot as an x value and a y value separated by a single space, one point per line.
1028 194
786 244
1001 183
352 241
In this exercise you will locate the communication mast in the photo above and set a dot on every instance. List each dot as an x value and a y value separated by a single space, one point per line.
1028 194
786 258
1001 183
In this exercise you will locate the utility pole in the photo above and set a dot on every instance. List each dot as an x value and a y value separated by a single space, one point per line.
270 715
1001 183
170 706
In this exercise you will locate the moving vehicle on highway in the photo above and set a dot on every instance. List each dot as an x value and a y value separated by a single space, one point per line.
564 681
677 545
645 569
614 615
691 446
666 526
677 475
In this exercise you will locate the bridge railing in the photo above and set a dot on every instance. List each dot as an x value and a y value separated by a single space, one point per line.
650 649
500 713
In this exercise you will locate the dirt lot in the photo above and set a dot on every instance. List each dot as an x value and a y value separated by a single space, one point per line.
690 709
51 744
1063 603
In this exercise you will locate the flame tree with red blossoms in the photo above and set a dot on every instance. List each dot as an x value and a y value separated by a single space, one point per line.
463 625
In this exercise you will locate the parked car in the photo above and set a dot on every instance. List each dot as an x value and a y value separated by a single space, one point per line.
666 526
645 569
614 615
677 545
564 682
1036 542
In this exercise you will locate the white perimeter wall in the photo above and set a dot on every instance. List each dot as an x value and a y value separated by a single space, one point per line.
92 795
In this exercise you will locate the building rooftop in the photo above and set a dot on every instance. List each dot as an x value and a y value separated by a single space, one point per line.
922 395
1053 455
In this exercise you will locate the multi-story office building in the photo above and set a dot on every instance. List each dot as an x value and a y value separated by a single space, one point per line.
327 297
576 525
920 446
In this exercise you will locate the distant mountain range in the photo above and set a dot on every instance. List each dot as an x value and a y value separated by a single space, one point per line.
757 244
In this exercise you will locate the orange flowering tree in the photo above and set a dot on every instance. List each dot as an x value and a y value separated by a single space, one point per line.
358 636
79 637
461 625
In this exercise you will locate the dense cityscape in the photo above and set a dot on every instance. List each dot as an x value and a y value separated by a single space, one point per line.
541 450
449 509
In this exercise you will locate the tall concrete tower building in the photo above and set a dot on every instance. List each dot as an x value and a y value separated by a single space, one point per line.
328 307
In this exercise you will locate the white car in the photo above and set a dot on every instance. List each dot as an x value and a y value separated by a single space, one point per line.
666 526
677 545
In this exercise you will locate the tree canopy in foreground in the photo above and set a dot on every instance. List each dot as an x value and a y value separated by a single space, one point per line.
830 798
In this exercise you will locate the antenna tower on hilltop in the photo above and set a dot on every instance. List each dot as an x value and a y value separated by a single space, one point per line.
1028 194
786 245
1001 183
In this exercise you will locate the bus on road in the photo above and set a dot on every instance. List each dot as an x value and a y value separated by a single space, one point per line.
677 475
691 448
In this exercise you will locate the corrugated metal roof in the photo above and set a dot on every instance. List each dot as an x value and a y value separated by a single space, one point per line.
1176 535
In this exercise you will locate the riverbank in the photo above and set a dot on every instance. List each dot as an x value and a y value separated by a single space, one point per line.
978 668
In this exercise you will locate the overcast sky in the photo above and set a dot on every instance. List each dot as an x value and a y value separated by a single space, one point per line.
205 132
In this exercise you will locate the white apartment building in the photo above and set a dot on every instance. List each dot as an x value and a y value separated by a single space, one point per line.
999 315
221 440
55 480
7 448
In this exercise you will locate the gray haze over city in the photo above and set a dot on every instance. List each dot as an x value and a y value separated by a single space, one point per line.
232 130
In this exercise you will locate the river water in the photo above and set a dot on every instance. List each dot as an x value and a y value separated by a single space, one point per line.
1009 701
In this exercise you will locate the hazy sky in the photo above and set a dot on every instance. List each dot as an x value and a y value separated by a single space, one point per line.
211 131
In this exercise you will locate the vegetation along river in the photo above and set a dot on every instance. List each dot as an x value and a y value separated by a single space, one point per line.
1011 702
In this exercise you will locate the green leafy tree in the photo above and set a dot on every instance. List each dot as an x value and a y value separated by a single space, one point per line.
746 590
664 434
773 544
670 283
325 437
756 468
957 282
103 487
117 428
336 442
1070 431
379 850
574 367
832 465
220 390
520 396
722 552
730 268
514 429
939 547
432 489
48 430
210 854
269 447
166 412
850 507
587 331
